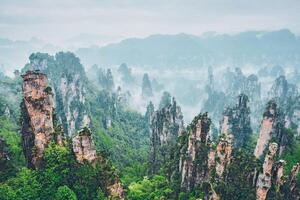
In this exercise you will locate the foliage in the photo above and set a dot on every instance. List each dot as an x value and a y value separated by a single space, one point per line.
237 179
7 193
26 184
65 193
292 157
12 142
155 188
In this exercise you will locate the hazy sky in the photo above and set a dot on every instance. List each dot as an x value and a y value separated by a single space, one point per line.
59 20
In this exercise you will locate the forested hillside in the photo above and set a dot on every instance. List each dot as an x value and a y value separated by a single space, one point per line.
71 133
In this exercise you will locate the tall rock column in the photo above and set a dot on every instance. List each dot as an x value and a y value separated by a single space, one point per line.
264 179
292 181
236 122
195 160
85 152
69 82
37 123
223 154
271 127
166 125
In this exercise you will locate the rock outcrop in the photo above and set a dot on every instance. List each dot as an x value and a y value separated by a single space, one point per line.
278 173
233 85
37 123
83 147
264 182
85 152
287 97
195 160
223 154
271 127
236 122
68 80
294 192
166 125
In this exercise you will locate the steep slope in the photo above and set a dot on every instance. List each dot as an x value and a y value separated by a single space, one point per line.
68 80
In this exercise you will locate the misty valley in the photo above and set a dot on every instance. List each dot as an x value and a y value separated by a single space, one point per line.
166 117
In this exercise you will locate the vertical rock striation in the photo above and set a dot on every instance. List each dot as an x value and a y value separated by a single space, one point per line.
37 123
264 179
271 127
85 152
236 122
166 125
83 147
67 77
195 160
294 191
223 154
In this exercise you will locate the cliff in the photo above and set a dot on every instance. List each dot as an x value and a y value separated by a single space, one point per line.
236 122
37 122
68 80
271 127
286 96
223 154
85 152
165 127
264 179
194 163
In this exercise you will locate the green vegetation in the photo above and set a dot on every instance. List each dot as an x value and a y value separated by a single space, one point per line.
155 188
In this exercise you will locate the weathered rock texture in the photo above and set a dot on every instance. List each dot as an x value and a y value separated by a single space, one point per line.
223 154
166 125
271 127
68 79
287 97
234 84
83 147
85 152
236 122
37 124
195 160
278 173
294 191
264 179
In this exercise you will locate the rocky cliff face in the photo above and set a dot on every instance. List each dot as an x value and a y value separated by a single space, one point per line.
234 84
85 152
236 122
283 93
272 182
223 154
195 160
83 147
286 96
264 179
166 125
271 127
37 123
68 79
292 182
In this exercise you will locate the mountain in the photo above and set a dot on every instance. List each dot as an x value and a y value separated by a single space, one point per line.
184 50
14 53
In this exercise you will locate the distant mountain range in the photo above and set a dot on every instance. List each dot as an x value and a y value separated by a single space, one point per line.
183 50
259 48
14 54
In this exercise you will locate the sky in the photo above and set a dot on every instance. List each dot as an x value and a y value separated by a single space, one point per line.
68 21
